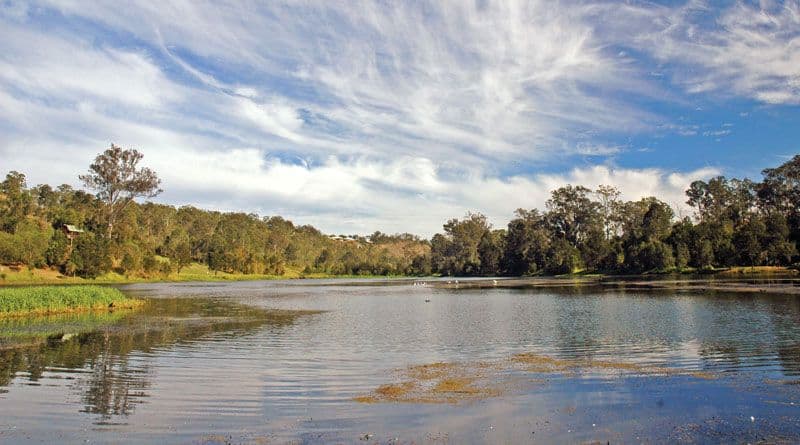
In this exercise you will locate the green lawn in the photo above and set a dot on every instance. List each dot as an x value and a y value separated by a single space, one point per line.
19 301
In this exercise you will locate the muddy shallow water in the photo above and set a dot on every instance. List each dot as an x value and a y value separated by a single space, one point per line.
328 361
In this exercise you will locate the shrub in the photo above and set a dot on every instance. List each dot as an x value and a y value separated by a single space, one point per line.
90 256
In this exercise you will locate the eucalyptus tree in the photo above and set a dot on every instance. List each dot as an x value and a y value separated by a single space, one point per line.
117 180
15 201
572 213
527 242
456 251
609 205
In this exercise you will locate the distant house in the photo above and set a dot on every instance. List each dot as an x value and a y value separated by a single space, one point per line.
71 232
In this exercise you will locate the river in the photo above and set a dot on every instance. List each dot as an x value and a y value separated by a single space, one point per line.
301 361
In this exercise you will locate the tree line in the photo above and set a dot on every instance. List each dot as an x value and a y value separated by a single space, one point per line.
147 239
736 222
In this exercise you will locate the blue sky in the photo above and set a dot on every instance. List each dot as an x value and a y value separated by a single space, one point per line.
395 116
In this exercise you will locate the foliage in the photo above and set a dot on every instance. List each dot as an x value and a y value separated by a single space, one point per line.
54 299
457 251
145 240
117 179
736 222
27 245
90 256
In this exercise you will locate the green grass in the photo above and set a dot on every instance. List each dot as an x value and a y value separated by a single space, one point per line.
39 300
192 272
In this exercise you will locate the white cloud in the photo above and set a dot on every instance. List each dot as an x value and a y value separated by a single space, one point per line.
747 50
402 115
409 194
51 68
274 118
482 81
598 149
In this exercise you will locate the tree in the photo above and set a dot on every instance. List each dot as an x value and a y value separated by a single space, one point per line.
696 193
562 257
117 179
527 243
442 255
573 213
609 203
703 255
457 251
490 252
89 256
28 245
779 249
650 255
421 265
781 186
15 201
780 192
178 249
747 241
239 244
657 220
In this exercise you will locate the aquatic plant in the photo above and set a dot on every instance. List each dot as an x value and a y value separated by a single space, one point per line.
18 301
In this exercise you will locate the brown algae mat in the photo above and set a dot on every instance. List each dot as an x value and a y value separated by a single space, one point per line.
459 382
438 383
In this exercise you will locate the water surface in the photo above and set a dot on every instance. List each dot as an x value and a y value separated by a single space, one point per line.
204 364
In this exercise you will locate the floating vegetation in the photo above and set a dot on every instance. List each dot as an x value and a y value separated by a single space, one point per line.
436 383
457 385
458 382
431 371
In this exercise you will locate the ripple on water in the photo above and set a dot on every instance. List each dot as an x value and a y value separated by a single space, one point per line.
290 376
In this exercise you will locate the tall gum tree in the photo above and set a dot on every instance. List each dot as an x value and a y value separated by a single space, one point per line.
117 179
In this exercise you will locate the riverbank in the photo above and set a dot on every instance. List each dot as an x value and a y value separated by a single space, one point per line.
197 272
194 272
46 300
764 280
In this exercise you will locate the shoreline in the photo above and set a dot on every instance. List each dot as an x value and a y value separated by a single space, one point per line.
788 283
653 281
198 273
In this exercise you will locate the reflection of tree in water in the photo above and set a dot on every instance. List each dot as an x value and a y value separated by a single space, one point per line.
114 387
765 326
786 317
115 384
577 326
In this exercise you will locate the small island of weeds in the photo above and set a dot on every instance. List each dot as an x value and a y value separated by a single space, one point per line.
42 300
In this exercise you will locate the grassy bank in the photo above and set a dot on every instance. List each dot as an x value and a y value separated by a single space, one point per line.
40 300
201 272
192 272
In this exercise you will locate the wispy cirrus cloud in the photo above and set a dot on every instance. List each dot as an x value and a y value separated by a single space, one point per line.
750 50
389 116
481 80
